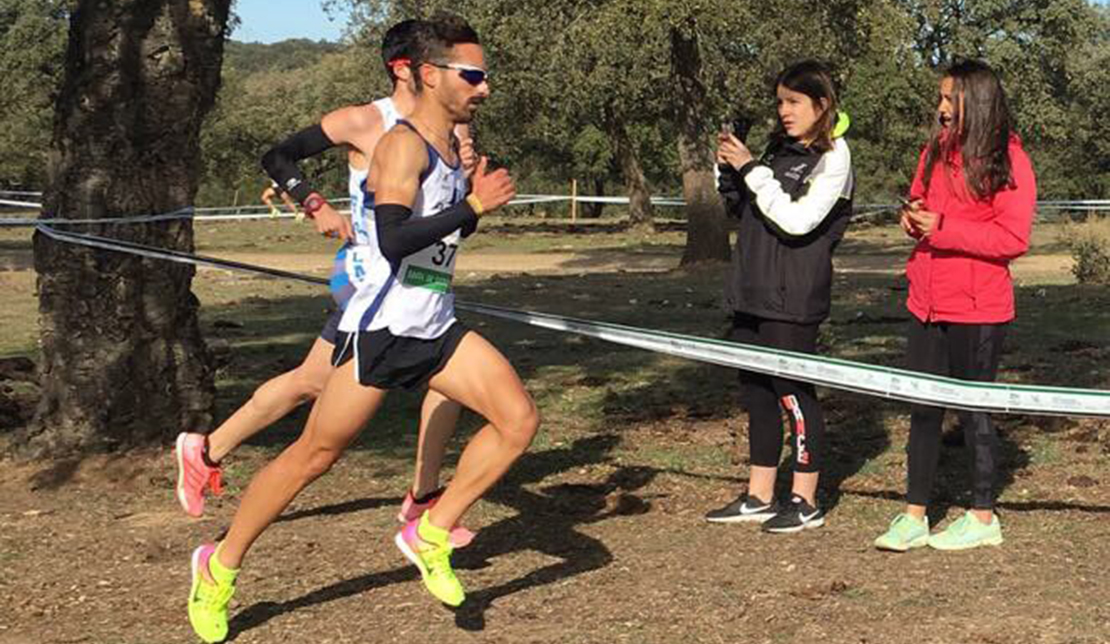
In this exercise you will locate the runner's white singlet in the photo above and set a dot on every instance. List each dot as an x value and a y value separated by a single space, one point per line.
415 300
353 261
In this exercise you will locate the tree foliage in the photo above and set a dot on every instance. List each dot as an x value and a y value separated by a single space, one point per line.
32 48
269 92
584 89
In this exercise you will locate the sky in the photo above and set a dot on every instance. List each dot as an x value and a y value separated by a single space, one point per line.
273 20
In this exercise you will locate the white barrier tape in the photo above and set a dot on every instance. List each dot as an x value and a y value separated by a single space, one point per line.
180 257
1089 204
215 213
527 200
1075 202
624 201
10 203
259 212
185 213
255 217
31 222
537 198
261 207
883 382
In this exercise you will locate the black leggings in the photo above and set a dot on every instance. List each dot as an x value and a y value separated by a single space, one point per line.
967 352
762 396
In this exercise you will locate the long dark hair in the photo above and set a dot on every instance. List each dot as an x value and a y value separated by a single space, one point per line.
812 78
981 129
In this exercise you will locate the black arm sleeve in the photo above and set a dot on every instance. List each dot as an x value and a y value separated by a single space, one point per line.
469 227
399 235
281 160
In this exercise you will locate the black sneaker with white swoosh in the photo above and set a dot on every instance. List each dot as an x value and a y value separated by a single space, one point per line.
746 508
795 516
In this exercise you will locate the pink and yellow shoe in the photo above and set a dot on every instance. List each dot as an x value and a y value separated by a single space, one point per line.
460 537
212 588
194 475
429 549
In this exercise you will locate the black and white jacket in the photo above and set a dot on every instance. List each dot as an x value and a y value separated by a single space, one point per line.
794 205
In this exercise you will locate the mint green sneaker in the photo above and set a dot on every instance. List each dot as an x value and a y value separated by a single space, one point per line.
968 532
905 533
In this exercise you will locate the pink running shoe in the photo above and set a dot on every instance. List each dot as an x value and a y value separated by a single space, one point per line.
460 537
193 474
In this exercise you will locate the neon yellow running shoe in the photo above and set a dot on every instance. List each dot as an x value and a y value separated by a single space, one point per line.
213 587
429 549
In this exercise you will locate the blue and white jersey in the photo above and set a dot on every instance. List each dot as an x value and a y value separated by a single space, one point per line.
362 199
352 260
415 298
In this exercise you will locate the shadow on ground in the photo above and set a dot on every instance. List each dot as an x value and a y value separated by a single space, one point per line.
559 508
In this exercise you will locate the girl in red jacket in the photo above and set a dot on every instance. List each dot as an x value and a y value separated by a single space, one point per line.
971 211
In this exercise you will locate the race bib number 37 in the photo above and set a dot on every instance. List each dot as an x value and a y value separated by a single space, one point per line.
432 268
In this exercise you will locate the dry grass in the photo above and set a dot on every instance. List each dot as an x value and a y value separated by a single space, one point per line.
596 535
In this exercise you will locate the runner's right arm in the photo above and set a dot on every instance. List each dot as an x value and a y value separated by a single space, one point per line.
281 160
356 126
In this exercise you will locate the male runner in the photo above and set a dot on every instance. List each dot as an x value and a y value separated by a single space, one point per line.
273 190
405 333
359 127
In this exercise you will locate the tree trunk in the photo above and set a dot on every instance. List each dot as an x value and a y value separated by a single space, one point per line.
706 233
592 210
123 361
640 211
599 191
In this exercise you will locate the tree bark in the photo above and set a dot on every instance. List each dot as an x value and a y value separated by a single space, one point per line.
640 211
592 210
123 361
706 233
599 191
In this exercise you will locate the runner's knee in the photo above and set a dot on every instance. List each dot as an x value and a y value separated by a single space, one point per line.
520 424
315 461
309 384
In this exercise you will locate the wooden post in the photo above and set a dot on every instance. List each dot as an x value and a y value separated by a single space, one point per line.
574 200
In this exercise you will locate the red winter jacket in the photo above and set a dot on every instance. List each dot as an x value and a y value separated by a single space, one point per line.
961 272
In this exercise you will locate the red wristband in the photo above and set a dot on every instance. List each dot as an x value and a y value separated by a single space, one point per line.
312 203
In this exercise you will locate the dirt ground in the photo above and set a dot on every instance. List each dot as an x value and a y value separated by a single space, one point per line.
597 533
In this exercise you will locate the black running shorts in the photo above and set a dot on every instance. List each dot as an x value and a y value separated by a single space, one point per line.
387 361
330 331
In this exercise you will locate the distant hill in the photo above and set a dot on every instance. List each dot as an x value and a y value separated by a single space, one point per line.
286 55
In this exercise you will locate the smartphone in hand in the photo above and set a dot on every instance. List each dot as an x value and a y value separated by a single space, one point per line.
741 126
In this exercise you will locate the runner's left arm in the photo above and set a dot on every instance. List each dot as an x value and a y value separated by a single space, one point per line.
399 234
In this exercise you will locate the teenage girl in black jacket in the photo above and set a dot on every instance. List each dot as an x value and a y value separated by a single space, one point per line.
793 204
